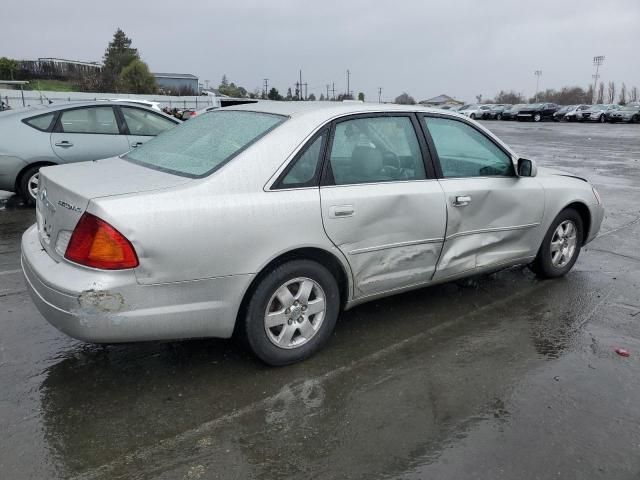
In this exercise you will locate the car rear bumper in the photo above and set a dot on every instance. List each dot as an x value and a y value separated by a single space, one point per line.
110 307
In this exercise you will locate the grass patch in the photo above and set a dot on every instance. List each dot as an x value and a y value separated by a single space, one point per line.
50 85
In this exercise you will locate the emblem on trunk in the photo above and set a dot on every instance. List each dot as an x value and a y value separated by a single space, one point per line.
46 202
68 206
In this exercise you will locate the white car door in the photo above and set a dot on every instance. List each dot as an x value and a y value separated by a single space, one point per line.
143 124
493 214
87 133
380 207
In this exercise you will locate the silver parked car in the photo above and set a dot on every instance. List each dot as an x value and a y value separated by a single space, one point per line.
266 220
34 137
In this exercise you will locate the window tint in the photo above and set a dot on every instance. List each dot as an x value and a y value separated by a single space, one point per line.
465 152
205 142
377 149
143 122
42 122
89 120
303 172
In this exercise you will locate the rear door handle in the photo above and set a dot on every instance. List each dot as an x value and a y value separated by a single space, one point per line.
64 143
341 211
462 200
136 144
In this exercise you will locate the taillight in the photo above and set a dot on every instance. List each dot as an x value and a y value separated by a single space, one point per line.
95 243
193 114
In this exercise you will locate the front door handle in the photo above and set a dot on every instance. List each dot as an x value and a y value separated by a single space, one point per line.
64 143
341 211
136 144
462 200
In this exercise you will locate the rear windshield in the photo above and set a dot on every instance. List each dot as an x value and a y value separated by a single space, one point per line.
204 143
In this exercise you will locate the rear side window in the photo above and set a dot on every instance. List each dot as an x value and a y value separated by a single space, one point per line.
41 122
100 120
143 122
205 142
376 149
305 169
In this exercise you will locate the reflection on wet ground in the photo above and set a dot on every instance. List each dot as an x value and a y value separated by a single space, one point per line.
501 376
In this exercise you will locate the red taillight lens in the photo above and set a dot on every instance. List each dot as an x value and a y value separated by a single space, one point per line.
193 114
95 243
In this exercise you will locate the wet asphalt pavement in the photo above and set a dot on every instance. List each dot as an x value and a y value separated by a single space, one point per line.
499 377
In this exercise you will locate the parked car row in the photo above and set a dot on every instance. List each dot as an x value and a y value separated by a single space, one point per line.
537 112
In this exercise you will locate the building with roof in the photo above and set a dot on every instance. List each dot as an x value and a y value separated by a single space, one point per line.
441 100
177 82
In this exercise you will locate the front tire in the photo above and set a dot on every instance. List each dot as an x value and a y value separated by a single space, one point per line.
292 312
602 119
537 117
472 116
28 186
561 245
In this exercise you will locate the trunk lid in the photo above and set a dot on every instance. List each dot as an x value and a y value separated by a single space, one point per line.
66 190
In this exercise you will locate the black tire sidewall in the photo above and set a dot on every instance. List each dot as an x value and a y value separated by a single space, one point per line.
23 186
254 330
542 264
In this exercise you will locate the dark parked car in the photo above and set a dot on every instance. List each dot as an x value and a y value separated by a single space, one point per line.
629 113
511 113
559 115
495 112
537 112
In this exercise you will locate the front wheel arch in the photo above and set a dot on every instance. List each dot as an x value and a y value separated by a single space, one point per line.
585 215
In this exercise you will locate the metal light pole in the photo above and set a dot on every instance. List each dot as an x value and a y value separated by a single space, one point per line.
537 73
597 61
348 75
379 94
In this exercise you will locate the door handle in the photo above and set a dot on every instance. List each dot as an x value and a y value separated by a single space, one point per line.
462 200
64 143
136 144
341 211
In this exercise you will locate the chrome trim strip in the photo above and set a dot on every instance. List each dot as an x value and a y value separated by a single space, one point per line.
489 230
395 245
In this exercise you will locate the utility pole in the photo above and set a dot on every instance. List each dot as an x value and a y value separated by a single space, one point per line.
537 73
597 61
266 87
379 94
333 90
348 75
328 91
300 95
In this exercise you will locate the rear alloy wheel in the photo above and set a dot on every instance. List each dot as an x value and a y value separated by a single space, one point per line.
472 116
28 187
561 245
602 119
537 117
499 116
292 312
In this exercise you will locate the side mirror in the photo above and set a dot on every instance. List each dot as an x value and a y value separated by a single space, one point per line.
527 168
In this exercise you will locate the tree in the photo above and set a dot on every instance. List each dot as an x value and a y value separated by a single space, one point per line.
405 99
322 99
511 97
311 97
274 94
289 95
361 96
479 98
136 78
7 67
633 96
224 82
117 56
623 95
611 92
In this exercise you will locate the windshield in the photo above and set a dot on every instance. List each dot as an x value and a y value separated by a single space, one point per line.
598 107
206 142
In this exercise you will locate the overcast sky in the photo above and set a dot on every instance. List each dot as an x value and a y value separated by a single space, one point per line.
458 47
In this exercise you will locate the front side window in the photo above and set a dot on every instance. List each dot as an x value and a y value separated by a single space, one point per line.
305 169
100 120
376 149
465 152
205 142
143 122
41 122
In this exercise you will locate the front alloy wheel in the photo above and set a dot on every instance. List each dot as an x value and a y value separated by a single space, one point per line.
561 245
291 312
537 117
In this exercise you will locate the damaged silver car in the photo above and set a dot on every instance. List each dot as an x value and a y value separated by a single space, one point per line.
267 220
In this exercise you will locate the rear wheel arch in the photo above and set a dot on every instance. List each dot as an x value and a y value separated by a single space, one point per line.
29 167
323 257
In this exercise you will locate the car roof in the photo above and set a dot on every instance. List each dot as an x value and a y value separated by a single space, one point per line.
43 109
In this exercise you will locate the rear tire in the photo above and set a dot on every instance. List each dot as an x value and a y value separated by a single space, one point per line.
602 119
472 116
537 117
292 312
28 185
561 245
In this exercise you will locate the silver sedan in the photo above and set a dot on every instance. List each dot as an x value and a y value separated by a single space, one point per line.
267 220
38 136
